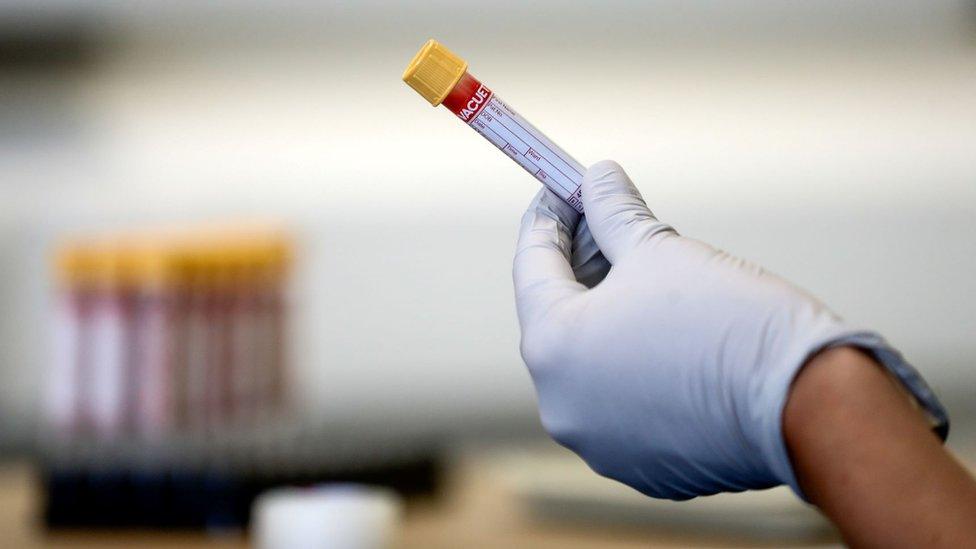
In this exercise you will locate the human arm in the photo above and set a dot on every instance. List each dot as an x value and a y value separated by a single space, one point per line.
868 459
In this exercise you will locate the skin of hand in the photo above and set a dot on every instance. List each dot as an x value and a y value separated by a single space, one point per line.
870 462
663 362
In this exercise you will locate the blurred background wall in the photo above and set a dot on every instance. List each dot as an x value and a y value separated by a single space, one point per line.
834 142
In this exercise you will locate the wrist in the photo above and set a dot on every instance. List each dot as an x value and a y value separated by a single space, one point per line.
833 379
840 406
869 459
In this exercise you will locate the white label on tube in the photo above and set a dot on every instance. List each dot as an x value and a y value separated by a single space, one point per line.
63 377
108 356
516 137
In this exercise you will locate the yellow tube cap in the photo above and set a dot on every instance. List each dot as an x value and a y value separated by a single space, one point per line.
434 72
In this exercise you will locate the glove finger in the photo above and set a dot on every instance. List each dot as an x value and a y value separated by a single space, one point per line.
616 212
589 264
541 270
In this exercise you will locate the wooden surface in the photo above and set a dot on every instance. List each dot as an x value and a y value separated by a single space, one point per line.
476 510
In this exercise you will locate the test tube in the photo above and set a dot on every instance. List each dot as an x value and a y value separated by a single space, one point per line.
440 76
73 300
152 340
110 351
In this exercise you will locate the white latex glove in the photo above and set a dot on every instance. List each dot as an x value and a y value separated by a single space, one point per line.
671 374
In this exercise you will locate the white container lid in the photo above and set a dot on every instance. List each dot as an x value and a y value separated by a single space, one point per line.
334 516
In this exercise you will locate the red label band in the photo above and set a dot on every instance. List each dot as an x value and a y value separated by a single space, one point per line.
467 98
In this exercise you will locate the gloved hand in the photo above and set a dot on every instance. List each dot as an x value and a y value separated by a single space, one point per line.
671 373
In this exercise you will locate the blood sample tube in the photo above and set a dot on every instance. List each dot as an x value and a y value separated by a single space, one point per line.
440 76
72 321
110 331
152 341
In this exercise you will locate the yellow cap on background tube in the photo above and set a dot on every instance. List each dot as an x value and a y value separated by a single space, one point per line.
434 72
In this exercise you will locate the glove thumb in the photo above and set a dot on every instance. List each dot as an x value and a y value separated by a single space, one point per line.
615 211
